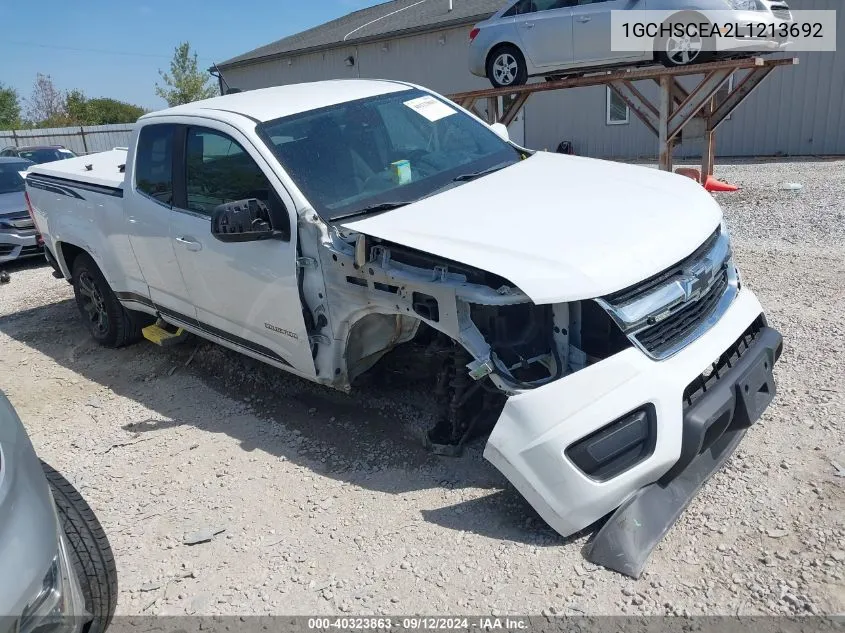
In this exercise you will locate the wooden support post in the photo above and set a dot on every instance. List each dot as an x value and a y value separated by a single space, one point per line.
513 109
708 151
679 94
492 110
665 111
746 86
696 100
84 142
475 110
677 106
637 102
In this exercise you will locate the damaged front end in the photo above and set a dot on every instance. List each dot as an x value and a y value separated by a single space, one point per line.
490 339
584 401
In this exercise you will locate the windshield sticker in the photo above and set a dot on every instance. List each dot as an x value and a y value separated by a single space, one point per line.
401 172
430 108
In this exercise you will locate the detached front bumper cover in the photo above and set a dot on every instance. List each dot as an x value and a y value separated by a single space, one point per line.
713 427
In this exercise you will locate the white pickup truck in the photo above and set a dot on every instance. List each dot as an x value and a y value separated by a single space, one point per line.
588 314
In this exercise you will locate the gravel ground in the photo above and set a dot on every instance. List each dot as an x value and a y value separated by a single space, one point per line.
329 504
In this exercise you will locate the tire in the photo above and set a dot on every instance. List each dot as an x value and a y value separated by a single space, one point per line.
506 67
673 52
108 321
90 552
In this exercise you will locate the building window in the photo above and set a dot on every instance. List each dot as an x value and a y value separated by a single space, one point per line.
617 110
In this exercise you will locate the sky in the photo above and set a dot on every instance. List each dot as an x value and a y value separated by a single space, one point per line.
114 48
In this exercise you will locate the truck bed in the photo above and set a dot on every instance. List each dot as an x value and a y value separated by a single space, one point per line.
101 169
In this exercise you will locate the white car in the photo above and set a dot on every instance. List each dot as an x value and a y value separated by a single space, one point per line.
602 338
528 38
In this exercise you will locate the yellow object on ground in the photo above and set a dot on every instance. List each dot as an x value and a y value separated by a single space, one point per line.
162 337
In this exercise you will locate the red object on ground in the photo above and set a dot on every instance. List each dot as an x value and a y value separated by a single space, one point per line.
711 184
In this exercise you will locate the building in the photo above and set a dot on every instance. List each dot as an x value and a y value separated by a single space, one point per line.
796 111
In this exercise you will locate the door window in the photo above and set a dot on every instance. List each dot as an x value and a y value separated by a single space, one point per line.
154 163
533 6
219 170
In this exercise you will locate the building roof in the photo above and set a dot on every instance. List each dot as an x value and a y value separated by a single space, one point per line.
382 20
267 104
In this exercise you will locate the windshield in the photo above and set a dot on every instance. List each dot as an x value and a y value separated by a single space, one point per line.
380 152
45 155
10 179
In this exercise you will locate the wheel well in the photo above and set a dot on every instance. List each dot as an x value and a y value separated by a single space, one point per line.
68 253
499 47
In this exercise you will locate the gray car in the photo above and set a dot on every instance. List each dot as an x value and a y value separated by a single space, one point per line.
18 235
57 571
553 37
39 153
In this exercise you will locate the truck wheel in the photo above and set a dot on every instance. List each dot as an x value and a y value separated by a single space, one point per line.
109 322
90 552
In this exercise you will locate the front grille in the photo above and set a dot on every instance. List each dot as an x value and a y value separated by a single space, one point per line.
631 293
6 249
23 223
706 381
26 251
671 309
659 338
781 14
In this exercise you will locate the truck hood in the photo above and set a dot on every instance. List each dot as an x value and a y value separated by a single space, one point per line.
560 228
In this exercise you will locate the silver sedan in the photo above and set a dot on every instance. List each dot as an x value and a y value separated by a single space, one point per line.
554 37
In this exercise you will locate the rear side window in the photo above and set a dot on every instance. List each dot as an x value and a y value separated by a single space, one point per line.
533 6
154 163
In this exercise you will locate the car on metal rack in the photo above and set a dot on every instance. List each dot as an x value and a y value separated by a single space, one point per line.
528 38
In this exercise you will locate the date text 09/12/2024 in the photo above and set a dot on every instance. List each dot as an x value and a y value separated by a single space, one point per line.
418 623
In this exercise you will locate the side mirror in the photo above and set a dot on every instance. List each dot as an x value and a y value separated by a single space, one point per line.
242 221
501 131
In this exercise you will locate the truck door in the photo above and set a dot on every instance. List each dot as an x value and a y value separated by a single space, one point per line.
246 294
147 209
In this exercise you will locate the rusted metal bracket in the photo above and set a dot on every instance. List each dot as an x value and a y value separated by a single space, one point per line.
638 103
676 106
513 108
738 95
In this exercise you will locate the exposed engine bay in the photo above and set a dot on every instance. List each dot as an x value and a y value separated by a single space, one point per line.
488 338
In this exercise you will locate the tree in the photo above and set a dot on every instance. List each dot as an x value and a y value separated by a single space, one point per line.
101 111
10 108
46 105
105 111
185 82
76 107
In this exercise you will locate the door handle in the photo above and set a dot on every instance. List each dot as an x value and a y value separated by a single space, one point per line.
189 243
529 25
584 18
